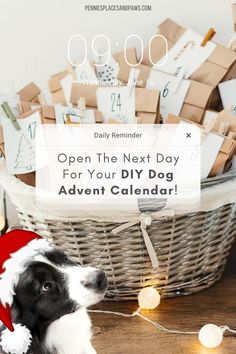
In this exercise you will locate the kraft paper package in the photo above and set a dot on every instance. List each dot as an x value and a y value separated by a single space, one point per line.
192 105
72 74
29 93
125 62
143 76
48 114
147 106
223 122
47 111
55 87
189 100
224 157
226 151
147 102
54 82
86 91
224 117
196 101
27 106
219 66
58 97
124 67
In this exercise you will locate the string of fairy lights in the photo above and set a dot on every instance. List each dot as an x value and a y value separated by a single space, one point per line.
210 335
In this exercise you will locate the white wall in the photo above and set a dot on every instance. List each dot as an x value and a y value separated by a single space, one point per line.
34 33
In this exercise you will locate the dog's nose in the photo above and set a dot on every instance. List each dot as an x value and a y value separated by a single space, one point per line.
97 281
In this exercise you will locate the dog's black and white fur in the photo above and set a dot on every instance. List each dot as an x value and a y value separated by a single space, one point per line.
51 298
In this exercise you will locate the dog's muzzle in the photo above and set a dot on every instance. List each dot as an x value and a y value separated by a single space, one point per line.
97 281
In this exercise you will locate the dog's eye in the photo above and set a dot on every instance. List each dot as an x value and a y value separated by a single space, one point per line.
47 286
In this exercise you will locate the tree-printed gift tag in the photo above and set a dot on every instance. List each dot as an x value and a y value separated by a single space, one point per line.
20 144
117 102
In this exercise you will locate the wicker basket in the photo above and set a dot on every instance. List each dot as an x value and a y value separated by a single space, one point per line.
192 249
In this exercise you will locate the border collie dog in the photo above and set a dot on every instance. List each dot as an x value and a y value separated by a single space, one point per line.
51 298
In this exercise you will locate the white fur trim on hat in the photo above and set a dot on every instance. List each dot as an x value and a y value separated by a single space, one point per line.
17 342
15 265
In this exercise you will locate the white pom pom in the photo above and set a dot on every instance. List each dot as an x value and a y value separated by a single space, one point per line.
17 342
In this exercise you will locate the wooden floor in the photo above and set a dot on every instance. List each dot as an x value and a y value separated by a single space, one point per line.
118 335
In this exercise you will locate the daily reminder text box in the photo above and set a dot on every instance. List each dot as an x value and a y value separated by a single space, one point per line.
110 162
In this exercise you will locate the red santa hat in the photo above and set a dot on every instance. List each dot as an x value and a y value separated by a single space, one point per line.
17 247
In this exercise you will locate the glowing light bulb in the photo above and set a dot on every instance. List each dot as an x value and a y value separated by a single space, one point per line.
210 336
149 298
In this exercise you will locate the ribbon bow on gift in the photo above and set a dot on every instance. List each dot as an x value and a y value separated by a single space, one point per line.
145 219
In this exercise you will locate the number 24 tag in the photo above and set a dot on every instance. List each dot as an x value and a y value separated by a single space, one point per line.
117 103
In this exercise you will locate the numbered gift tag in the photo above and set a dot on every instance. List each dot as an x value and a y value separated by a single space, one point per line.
173 91
70 115
186 53
85 74
228 95
117 102
20 144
